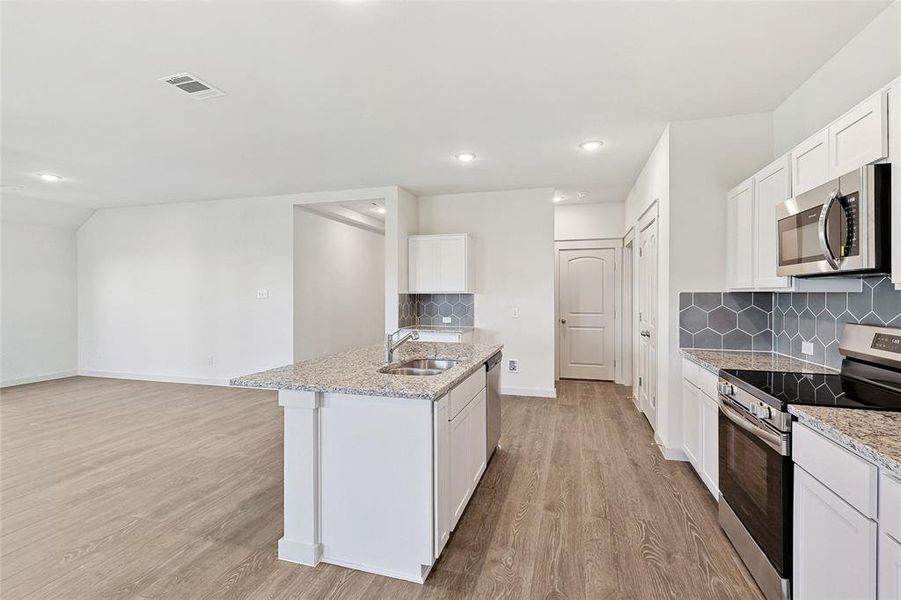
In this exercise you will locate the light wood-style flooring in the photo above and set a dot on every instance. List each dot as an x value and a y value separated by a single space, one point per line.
126 489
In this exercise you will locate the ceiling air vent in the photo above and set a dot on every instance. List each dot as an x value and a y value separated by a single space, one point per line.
193 86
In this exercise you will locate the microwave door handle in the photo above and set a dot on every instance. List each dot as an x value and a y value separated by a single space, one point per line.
769 438
824 231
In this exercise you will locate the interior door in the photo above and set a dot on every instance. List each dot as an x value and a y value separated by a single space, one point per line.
587 323
647 322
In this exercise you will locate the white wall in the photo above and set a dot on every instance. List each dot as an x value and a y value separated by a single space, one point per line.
339 286
401 221
169 292
588 221
37 303
870 60
513 236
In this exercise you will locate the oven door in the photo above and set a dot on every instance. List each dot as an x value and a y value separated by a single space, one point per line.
821 231
756 481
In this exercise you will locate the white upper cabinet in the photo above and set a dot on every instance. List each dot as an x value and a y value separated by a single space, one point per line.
440 263
810 162
772 186
860 136
740 238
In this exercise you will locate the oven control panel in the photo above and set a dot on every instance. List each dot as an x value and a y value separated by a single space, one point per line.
887 343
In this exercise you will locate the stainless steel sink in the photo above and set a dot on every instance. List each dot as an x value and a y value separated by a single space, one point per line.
419 367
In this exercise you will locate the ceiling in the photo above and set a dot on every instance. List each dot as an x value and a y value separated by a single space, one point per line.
325 96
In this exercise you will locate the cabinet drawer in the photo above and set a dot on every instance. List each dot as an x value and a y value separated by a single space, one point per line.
848 475
465 391
708 381
890 505
690 371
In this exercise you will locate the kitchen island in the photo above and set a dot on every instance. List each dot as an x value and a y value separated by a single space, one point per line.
378 466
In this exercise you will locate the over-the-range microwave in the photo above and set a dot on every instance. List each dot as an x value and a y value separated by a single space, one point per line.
843 226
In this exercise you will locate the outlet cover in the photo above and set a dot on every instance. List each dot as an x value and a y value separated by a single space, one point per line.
262 294
807 348
513 365
445 319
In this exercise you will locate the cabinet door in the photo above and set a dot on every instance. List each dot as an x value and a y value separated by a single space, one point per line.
772 186
691 424
478 422
741 239
859 137
423 258
460 464
442 508
889 568
452 263
710 444
810 163
834 545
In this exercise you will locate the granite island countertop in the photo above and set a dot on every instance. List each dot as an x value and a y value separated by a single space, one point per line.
874 434
358 371
714 360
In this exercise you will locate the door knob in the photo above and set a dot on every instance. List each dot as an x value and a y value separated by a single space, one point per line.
563 321
646 334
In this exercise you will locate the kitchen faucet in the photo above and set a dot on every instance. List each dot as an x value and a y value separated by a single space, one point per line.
391 346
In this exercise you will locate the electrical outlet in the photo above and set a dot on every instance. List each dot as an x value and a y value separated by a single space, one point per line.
262 294
515 313
212 360
445 319
513 365
807 348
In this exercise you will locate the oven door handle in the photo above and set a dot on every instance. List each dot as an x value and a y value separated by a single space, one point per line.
773 440
828 254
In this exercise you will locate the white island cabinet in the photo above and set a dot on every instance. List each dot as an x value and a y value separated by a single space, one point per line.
379 467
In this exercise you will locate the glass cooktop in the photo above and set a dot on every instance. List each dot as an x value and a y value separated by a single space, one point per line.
844 390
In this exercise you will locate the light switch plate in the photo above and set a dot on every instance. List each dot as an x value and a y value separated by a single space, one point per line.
262 294
807 348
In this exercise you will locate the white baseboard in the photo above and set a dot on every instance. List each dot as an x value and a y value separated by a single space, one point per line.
152 377
411 577
38 378
299 552
536 392
670 453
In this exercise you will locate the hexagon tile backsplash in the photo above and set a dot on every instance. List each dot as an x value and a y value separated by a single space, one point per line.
733 320
431 309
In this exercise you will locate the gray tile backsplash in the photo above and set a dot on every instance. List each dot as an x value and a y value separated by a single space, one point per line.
781 321
726 320
819 318
431 309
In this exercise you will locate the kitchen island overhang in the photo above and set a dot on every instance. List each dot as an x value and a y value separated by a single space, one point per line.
367 456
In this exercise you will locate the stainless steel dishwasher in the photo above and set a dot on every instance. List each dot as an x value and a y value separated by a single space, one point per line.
494 404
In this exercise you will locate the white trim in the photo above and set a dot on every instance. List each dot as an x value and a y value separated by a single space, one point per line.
299 552
536 392
299 399
403 575
38 378
153 377
670 453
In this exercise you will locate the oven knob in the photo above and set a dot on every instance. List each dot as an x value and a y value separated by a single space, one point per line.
762 412
727 389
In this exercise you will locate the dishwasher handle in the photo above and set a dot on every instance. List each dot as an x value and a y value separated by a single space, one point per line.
494 361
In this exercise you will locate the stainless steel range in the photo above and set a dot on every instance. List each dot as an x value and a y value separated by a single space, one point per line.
755 469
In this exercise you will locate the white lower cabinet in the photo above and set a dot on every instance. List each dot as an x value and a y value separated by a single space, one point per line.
441 509
834 550
700 423
478 435
889 568
460 463
466 457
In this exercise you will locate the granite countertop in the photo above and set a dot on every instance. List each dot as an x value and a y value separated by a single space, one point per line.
715 360
357 371
873 434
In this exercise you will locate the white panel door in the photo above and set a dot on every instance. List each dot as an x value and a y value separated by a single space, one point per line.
647 322
741 242
460 464
834 549
478 422
859 137
587 323
772 186
691 423
810 162
889 568
423 259
442 508
451 263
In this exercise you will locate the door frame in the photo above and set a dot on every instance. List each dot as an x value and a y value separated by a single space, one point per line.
648 218
625 374
596 244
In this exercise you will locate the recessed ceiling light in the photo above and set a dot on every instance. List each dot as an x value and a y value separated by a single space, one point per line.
49 177
591 145
558 198
381 210
465 157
